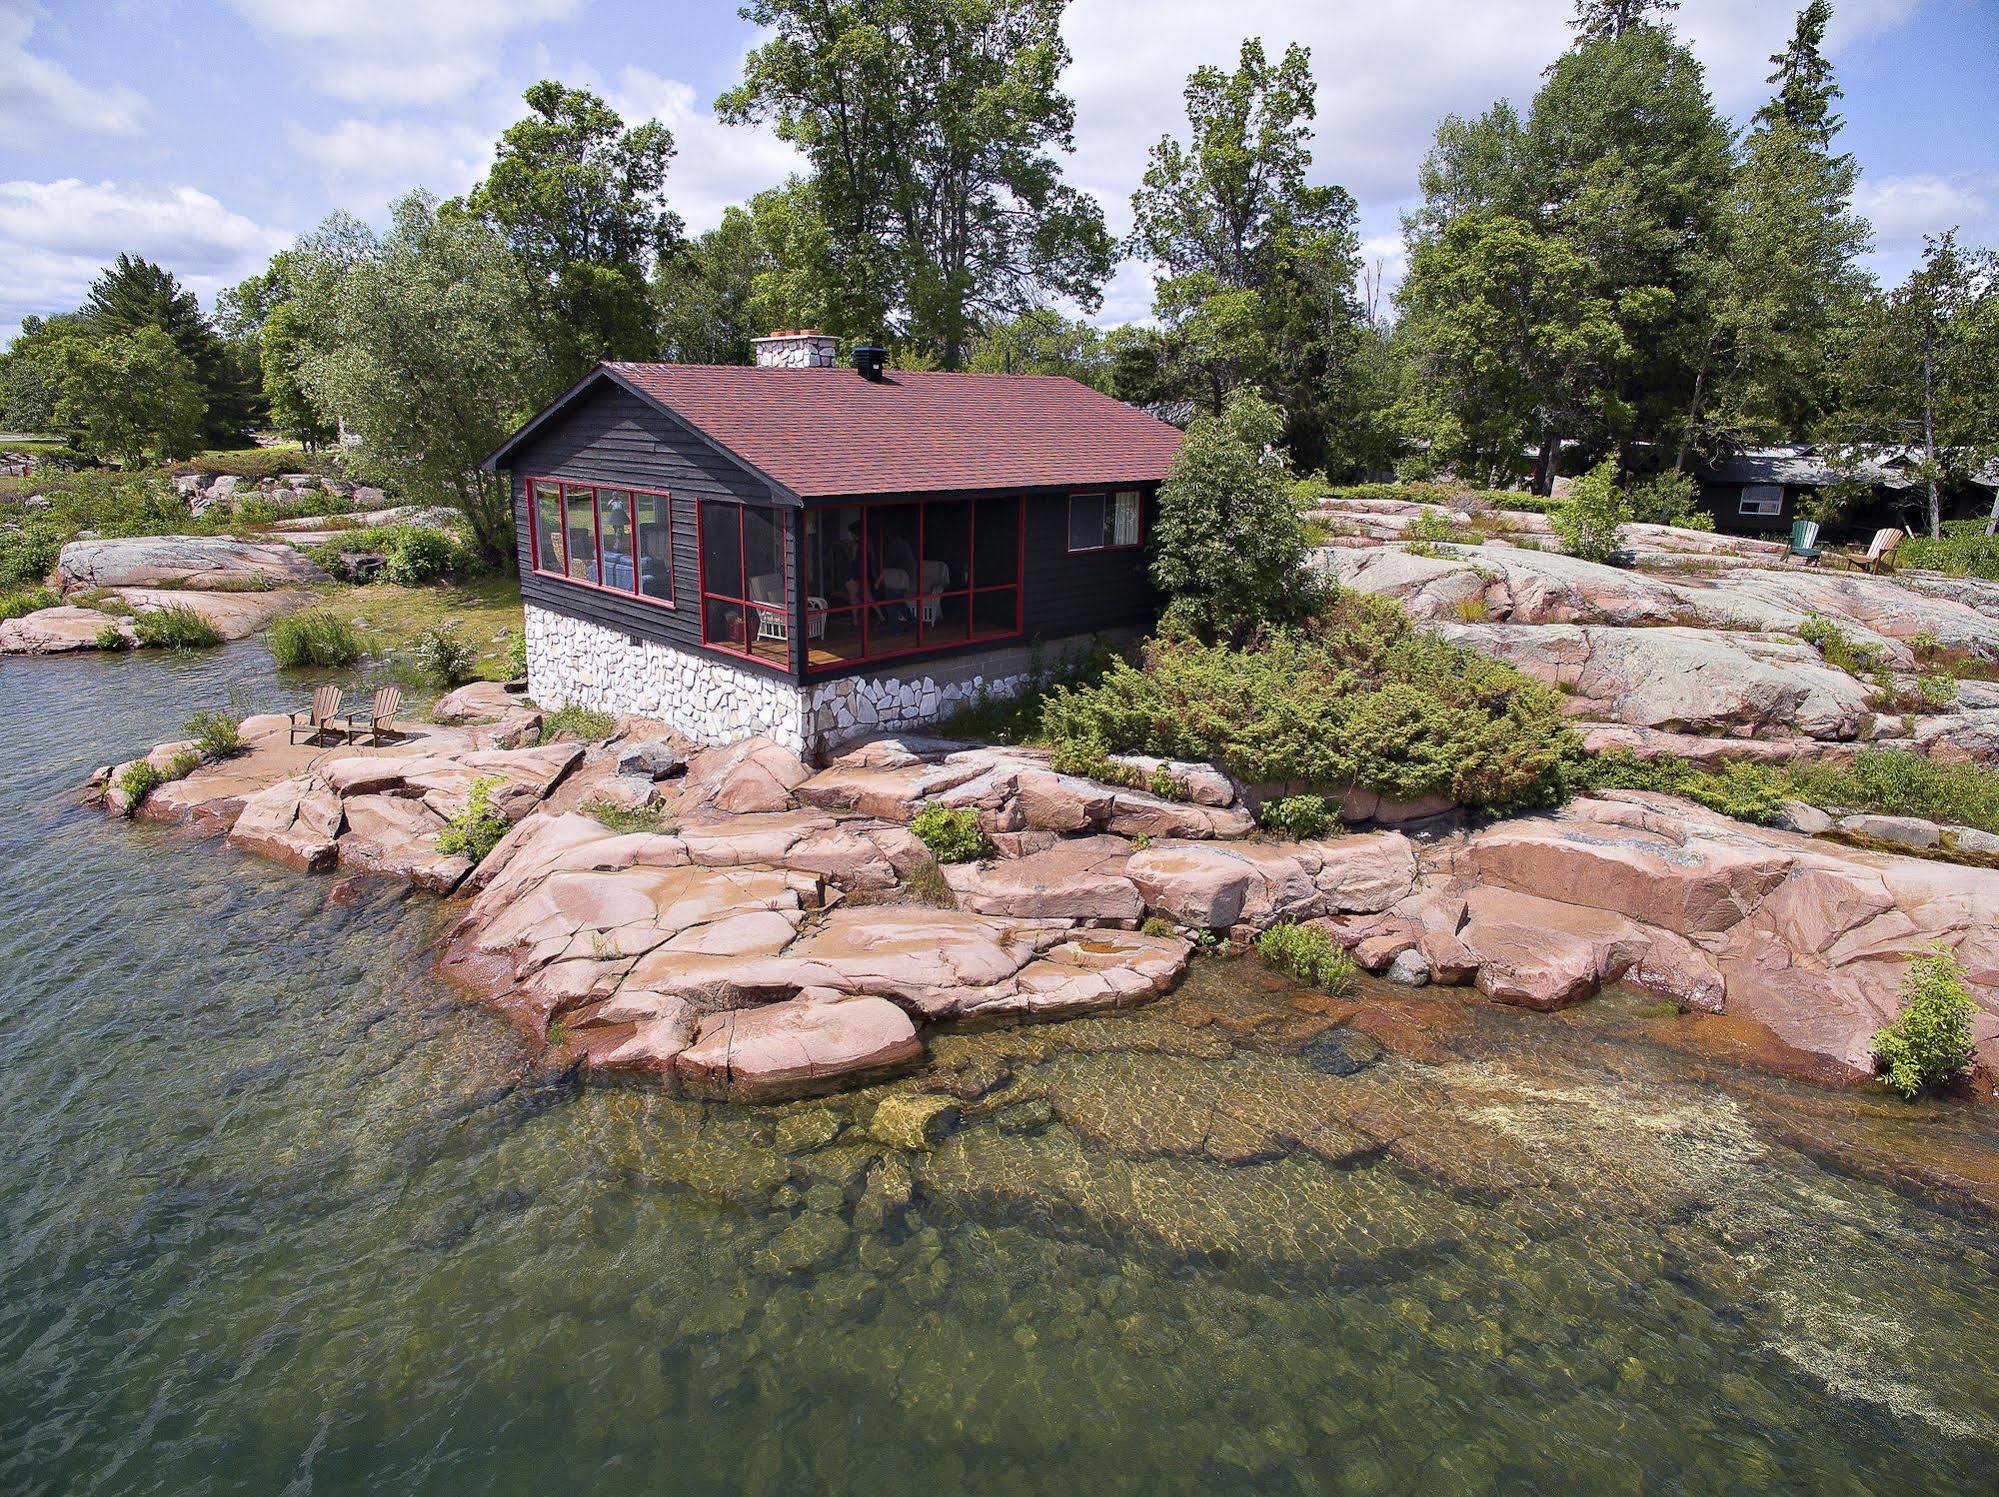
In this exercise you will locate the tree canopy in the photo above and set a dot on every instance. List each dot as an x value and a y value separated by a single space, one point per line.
934 130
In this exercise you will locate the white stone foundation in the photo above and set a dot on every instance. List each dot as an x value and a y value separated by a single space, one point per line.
712 700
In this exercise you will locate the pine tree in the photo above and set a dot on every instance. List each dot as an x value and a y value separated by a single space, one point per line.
135 293
1805 91
1596 19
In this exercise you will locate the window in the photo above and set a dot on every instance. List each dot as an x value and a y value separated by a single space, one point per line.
615 538
896 579
1761 499
1104 522
745 585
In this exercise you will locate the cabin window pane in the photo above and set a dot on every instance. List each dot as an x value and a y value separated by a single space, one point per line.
582 529
655 545
1086 522
548 527
996 542
1124 518
1762 499
746 591
614 539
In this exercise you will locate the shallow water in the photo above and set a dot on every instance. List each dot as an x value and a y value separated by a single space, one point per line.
281 1212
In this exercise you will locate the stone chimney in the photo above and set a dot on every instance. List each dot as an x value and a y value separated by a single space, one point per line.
804 349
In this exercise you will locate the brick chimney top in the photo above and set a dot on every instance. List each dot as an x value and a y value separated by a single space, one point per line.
803 349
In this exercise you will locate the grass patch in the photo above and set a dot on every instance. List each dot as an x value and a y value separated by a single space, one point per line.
314 638
175 627
583 723
485 612
626 819
1890 781
927 885
1307 954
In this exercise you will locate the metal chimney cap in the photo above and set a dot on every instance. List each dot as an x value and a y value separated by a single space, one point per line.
870 359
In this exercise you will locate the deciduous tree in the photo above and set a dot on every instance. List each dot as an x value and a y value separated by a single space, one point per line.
1257 264
425 343
935 131
129 394
581 199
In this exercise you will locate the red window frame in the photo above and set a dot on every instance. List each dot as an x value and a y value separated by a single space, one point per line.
1109 496
596 582
970 592
746 650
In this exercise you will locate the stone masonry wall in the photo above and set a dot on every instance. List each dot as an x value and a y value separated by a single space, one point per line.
575 663
711 700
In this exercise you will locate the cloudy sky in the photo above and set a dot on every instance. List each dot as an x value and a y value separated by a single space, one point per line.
207 133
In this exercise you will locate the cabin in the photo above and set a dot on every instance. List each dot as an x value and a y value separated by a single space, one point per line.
1761 490
818 553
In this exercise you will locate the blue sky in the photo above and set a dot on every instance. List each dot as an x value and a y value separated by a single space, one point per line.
207 135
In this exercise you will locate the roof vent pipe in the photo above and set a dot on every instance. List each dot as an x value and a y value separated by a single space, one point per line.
870 359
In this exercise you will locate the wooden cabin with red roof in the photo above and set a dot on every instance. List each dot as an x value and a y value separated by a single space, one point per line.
816 552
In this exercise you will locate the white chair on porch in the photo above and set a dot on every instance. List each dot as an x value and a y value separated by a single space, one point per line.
936 578
767 593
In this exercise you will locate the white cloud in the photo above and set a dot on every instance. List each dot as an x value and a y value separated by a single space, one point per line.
366 164
714 164
1904 209
407 52
41 99
56 236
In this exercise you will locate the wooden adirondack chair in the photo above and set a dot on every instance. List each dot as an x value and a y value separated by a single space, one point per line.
1805 541
378 717
1882 548
317 719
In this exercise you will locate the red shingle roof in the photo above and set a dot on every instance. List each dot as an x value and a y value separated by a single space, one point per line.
824 432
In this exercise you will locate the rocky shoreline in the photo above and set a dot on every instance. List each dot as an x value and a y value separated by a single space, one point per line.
782 932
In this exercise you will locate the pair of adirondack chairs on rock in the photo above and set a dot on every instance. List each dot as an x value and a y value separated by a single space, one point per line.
323 716
1805 545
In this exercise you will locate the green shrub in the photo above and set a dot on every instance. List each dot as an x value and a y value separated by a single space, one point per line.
1298 817
1363 699
1430 529
111 637
1087 758
1229 547
952 834
583 723
139 780
1451 496
1903 784
1930 1041
27 600
258 464
1963 550
183 763
417 554
175 627
443 656
1308 954
1823 635
1937 689
28 553
314 638
215 733
477 829
517 658
1591 522
1669 498
1156 925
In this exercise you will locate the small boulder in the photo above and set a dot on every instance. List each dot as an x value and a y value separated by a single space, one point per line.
1410 969
650 759
1902 831
912 1120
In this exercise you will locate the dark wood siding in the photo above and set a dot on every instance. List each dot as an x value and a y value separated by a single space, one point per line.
609 435
1084 591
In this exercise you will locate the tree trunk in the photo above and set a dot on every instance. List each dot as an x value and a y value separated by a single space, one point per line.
1930 427
1544 465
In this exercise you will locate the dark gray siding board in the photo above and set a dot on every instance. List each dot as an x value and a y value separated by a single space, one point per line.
1084 591
609 435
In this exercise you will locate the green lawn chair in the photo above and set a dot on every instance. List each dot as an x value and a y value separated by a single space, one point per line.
1805 540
